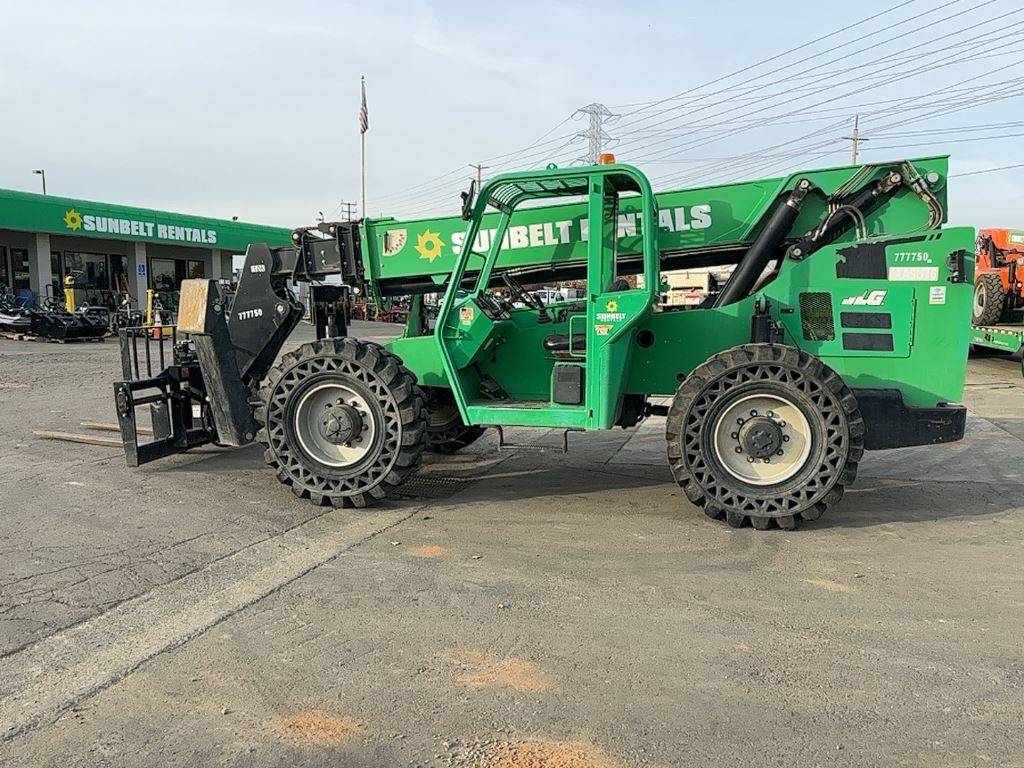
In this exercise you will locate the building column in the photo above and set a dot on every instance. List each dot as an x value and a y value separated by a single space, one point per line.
216 264
39 263
138 265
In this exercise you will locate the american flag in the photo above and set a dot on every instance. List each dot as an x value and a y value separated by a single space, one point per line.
364 116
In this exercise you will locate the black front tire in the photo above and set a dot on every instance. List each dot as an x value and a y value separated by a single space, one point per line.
831 438
392 412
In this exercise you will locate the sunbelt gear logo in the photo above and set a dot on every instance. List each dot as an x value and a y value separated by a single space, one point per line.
429 245
611 313
73 220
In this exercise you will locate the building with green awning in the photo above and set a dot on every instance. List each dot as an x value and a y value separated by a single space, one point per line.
114 248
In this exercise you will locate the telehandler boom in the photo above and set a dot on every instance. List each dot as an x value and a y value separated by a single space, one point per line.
844 327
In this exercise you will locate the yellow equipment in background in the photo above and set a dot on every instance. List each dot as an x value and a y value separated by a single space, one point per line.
157 317
69 292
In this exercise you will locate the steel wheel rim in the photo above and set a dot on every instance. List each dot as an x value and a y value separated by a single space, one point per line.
309 413
979 299
734 454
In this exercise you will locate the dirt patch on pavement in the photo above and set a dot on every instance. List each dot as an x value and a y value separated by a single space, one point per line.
548 754
485 671
319 727
428 551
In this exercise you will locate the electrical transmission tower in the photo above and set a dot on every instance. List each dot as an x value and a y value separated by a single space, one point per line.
597 138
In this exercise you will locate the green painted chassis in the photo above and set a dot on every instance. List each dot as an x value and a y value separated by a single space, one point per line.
929 318
1003 338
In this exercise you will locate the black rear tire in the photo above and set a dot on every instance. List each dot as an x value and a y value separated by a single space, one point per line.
989 299
739 460
384 418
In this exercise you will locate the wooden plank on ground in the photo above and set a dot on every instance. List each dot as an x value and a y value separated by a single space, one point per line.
72 437
109 426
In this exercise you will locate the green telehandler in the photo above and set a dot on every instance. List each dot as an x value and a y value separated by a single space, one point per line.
843 327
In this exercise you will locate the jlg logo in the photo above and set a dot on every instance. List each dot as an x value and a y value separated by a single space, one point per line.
249 314
866 299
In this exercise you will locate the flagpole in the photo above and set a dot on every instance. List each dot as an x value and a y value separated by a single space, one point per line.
364 124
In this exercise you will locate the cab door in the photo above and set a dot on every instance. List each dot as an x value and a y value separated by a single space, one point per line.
616 307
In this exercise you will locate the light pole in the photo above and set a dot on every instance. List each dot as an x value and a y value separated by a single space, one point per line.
41 172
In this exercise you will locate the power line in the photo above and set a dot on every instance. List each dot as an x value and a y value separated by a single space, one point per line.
829 84
773 100
986 170
777 56
896 78
754 81
392 197
1007 89
431 183
643 136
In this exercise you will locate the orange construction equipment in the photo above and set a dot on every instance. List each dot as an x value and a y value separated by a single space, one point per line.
998 276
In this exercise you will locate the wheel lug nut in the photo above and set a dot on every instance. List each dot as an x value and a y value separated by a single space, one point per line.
767 461
738 449
785 438
739 420
753 413
771 414
750 459
782 423
735 435
778 452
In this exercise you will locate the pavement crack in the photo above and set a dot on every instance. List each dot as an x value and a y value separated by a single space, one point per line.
89 657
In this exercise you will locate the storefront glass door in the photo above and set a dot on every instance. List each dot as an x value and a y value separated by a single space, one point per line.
20 270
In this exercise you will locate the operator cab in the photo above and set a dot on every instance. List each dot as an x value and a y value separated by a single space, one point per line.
510 354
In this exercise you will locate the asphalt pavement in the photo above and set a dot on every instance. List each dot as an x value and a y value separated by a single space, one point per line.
515 609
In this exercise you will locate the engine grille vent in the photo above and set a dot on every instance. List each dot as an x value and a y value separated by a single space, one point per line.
816 320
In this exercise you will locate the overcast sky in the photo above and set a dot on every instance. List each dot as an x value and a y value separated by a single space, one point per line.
249 109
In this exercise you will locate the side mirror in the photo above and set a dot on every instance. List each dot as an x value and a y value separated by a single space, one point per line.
468 198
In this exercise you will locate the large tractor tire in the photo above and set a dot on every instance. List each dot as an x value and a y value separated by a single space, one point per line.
765 433
343 422
446 432
989 298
